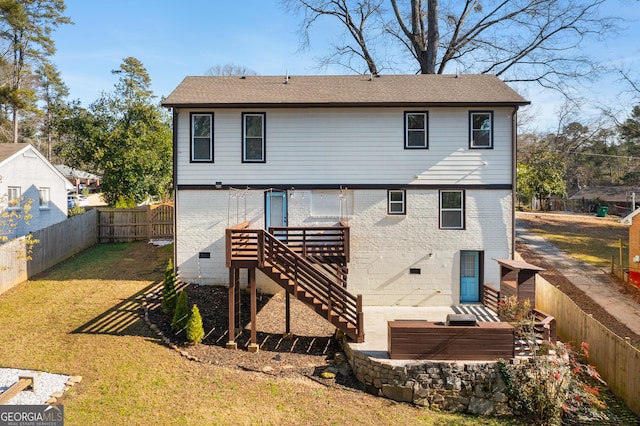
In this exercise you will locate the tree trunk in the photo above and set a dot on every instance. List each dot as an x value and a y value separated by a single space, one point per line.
15 124
433 36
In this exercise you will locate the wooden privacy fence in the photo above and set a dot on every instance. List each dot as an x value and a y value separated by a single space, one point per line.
617 361
135 224
55 243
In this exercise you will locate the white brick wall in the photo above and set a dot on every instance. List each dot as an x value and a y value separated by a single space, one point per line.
383 247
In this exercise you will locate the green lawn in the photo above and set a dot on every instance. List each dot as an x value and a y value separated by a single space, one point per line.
83 317
586 238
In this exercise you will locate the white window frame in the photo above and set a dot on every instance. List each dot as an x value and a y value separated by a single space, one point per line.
44 198
473 131
201 138
448 210
14 195
262 137
408 130
391 203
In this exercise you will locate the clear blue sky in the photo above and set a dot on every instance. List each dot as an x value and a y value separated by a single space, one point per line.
175 39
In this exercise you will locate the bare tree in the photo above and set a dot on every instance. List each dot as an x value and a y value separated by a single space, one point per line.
361 20
630 80
230 70
518 40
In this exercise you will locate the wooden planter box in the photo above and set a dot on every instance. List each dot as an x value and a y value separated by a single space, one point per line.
486 341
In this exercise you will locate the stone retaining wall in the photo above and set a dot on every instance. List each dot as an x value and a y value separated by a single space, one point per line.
466 387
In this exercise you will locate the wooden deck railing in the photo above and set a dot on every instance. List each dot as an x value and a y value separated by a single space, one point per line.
544 325
307 262
314 283
241 245
329 243
490 297
325 247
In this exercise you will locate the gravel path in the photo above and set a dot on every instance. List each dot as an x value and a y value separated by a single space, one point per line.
46 385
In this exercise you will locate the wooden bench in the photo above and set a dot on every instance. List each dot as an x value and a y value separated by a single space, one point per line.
486 341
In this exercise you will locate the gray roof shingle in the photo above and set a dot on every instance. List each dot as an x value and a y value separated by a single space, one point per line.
351 90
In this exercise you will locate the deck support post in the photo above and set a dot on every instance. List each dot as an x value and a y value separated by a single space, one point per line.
253 345
233 274
287 304
238 303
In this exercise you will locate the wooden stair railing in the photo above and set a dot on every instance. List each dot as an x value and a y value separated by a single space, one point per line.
310 280
326 247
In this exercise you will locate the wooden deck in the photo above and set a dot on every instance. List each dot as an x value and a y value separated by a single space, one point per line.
310 263
486 341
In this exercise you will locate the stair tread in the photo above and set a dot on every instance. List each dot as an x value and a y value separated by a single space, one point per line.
314 297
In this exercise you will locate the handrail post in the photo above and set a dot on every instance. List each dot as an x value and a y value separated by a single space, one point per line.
261 244
228 247
304 243
359 318
329 304
347 243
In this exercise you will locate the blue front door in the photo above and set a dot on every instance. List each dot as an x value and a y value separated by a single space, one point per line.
275 209
469 277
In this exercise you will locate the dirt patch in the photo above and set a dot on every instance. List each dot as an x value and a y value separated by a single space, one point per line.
309 350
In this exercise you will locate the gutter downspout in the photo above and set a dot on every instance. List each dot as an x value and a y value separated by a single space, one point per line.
175 191
514 167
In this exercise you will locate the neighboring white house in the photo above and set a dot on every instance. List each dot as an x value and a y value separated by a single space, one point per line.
421 167
27 178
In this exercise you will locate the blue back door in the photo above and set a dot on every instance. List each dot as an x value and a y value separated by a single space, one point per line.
469 277
275 209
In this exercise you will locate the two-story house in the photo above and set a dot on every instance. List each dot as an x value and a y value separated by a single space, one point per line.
420 167
30 186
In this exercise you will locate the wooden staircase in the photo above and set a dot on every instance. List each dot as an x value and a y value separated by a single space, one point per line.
309 263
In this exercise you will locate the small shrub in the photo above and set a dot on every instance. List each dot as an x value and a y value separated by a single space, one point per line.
169 289
546 388
181 314
511 310
75 210
520 316
194 329
125 202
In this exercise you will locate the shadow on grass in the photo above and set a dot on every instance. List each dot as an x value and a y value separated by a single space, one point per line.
122 319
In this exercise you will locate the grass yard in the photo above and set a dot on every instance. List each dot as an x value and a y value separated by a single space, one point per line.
587 238
83 318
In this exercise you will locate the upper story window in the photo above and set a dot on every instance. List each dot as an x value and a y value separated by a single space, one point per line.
253 137
202 137
396 202
451 209
44 198
481 129
14 193
416 133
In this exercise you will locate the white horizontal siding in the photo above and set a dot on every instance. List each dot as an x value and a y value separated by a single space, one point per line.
28 172
349 146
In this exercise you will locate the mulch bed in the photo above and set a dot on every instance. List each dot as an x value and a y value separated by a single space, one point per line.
308 351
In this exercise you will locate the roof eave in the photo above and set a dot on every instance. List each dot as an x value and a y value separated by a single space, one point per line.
342 104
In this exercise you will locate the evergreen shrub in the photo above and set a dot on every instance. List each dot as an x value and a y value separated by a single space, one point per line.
195 331
181 314
169 289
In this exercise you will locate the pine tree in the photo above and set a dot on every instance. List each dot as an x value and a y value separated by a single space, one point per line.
169 289
181 314
195 331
